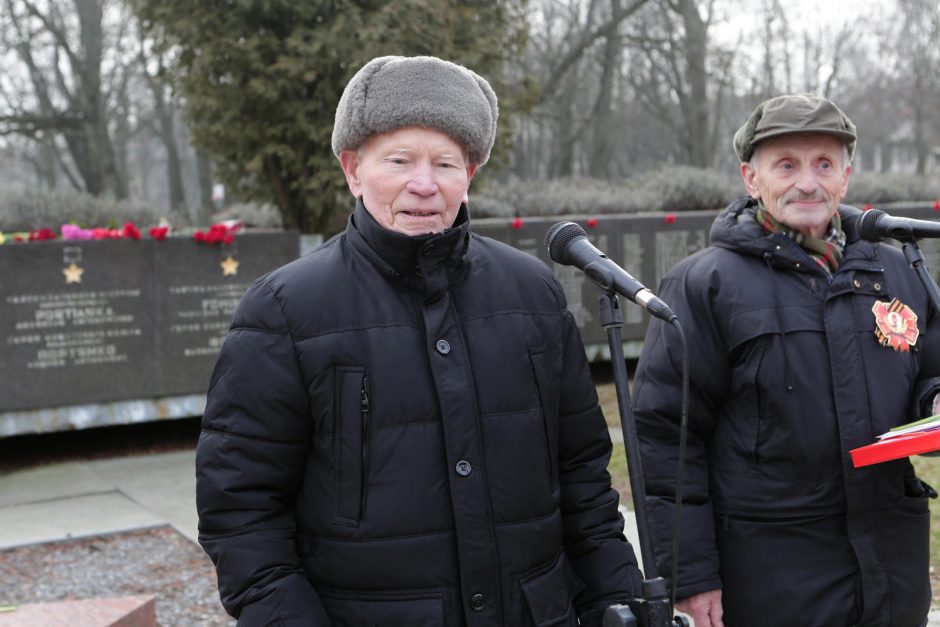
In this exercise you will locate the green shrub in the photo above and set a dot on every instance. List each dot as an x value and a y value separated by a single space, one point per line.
671 188
667 189
29 210
878 189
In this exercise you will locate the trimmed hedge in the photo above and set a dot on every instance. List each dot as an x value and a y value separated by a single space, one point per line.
667 189
30 210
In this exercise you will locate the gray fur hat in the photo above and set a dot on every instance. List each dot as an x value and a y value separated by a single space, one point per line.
389 93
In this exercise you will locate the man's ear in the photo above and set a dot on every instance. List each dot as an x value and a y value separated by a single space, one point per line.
749 174
349 161
845 182
471 170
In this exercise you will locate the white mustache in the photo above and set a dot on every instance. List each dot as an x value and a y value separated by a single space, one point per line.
798 196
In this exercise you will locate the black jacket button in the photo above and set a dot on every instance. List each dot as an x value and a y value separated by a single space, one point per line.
477 602
443 347
464 468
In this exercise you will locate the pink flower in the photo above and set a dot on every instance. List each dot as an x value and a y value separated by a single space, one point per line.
73 231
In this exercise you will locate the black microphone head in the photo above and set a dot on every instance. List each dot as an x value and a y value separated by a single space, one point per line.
558 238
866 225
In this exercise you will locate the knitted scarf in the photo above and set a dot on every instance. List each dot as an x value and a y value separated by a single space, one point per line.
826 252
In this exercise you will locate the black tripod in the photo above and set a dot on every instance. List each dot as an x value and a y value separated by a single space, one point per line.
654 607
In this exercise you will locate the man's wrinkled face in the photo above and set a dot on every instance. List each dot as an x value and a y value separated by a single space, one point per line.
800 179
412 180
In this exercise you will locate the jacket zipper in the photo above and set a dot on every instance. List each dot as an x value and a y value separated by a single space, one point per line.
364 412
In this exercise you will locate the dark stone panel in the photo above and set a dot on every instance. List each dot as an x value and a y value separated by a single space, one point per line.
646 246
76 322
197 290
97 321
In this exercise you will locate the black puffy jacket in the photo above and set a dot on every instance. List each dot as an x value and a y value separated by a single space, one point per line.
404 431
787 377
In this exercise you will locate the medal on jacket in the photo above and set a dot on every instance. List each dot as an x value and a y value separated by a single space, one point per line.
896 325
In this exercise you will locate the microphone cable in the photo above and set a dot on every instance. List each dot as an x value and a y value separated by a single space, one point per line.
680 471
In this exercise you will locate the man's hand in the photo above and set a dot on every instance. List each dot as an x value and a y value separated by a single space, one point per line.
705 608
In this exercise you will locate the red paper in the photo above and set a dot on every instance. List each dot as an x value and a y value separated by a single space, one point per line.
894 448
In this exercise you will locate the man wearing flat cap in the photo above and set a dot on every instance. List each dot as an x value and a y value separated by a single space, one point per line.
795 361
402 428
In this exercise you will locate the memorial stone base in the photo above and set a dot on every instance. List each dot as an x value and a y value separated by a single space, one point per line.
138 611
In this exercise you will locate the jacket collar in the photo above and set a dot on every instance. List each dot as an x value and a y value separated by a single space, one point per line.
424 260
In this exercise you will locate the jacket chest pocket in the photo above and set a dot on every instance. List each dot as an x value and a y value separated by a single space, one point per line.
547 384
350 443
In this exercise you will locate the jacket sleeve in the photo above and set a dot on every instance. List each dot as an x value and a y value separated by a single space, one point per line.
657 399
928 380
249 463
593 527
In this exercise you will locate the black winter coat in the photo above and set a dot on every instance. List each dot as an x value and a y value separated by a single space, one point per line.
787 377
404 431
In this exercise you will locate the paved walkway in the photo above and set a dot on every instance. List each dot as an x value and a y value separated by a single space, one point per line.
75 499
105 496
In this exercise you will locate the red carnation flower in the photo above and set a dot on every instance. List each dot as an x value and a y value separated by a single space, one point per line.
591 222
670 218
159 232
936 205
868 207
517 223
131 231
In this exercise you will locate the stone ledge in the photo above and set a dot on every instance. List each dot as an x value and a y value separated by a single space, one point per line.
137 611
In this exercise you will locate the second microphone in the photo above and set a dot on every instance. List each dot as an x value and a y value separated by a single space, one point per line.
567 244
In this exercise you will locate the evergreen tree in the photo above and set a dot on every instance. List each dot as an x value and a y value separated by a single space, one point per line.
261 80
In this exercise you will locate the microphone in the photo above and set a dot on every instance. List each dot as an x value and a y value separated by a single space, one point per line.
567 244
875 225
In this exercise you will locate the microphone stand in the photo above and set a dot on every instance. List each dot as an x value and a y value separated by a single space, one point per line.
915 257
653 607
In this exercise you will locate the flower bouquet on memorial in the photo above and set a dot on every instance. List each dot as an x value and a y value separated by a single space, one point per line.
218 233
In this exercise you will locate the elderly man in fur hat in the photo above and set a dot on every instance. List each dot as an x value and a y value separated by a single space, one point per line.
402 428
795 362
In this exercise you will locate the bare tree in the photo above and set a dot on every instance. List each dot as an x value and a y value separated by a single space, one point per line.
919 62
675 76
153 72
62 53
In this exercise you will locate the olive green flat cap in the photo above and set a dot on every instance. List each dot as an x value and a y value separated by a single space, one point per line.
791 114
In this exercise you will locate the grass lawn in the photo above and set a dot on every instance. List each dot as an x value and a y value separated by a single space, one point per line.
928 469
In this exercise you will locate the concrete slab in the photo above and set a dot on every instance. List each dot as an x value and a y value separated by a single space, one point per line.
48 521
49 482
164 484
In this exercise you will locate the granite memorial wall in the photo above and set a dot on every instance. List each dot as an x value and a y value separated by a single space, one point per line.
111 331
106 320
646 246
